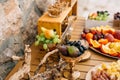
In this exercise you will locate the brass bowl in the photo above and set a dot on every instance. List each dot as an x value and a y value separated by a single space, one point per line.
71 59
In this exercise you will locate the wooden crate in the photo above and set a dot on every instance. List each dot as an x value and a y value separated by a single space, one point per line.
56 23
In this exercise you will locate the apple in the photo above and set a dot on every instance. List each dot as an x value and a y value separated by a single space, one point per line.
109 37
117 34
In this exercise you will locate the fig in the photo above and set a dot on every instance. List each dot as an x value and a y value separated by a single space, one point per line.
73 51
63 50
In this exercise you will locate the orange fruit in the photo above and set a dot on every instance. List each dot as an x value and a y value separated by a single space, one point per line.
89 36
95 43
103 41
94 15
116 40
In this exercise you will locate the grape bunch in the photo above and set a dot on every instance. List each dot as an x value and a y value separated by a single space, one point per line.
102 15
78 45
41 39
96 34
117 16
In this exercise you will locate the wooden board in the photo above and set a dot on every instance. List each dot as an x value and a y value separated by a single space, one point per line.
83 67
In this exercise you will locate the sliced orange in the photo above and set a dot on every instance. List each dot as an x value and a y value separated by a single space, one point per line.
113 52
116 40
95 43
103 41
105 49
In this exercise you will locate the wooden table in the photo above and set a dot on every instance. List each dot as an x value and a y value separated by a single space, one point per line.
83 67
56 23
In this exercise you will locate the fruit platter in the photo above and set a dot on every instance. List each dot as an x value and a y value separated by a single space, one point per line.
104 40
105 71
97 18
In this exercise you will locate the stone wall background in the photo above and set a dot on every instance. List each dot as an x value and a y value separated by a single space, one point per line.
18 21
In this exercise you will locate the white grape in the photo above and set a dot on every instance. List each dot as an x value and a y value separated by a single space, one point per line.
45 46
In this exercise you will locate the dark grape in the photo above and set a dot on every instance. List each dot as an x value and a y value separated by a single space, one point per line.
86 30
102 36
99 36
98 12
81 49
106 11
77 44
80 53
102 12
74 42
84 47
71 43
95 37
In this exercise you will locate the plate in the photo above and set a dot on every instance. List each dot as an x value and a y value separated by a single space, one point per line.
88 75
92 48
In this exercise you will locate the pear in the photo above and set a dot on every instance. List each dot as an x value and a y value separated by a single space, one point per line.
73 51
49 33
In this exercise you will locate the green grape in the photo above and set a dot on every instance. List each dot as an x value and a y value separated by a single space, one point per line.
47 41
55 32
42 34
97 18
36 43
104 18
51 41
55 40
56 36
37 37
45 46
42 39
59 40
100 18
